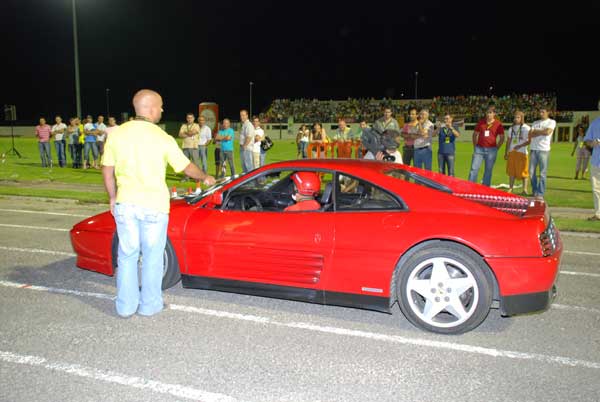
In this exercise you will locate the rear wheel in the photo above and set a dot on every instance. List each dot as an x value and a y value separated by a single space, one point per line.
171 273
445 288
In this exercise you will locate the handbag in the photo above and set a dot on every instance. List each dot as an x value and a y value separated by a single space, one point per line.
266 144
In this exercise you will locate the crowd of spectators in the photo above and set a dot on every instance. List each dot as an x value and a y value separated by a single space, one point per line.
467 108
353 110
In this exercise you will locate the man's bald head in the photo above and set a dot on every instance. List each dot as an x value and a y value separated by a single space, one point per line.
148 104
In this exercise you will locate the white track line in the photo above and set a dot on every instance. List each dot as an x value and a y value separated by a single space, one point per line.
25 211
37 251
565 361
116 378
577 308
580 274
6 225
580 252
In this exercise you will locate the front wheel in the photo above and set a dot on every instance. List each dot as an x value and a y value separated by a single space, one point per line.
171 273
445 288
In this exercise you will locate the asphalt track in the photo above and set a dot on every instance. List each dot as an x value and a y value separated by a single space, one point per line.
61 340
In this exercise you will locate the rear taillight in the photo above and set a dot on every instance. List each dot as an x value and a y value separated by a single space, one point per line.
549 239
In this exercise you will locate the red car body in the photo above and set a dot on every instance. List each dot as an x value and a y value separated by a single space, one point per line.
348 254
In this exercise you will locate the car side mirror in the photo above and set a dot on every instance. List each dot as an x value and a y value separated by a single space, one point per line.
216 198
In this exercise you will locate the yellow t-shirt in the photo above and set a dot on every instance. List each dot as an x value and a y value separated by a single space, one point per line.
139 151
81 138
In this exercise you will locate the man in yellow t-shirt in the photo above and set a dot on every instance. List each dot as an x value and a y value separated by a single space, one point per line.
135 158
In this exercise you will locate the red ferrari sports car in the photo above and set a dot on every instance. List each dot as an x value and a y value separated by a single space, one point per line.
447 250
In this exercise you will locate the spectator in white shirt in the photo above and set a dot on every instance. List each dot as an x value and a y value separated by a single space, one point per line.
101 138
259 135
540 137
204 141
246 141
58 132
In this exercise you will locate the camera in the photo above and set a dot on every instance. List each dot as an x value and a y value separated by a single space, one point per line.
387 157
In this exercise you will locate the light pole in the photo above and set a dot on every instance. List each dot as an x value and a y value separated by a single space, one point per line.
107 102
76 56
416 85
250 84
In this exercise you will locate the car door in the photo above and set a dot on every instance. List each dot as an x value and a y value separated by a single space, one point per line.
240 241
368 223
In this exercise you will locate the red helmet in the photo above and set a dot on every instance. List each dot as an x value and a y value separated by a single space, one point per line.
307 183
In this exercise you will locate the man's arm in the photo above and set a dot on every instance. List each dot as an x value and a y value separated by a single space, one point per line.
108 175
249 137
475 137
501 141
195 130
191 170
182 132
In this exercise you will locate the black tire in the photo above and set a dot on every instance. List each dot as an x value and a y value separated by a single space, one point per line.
171 273
420 296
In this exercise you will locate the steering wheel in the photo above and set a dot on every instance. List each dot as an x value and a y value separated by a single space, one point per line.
249 202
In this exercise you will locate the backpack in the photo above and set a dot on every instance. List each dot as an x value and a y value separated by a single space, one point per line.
266 144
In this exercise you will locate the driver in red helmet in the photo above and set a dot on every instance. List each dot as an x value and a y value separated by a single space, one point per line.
306 186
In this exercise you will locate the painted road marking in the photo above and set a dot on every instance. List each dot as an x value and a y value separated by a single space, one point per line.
17 285
32 227
37 250
561 360
116 378
25 211
580 252
577 308
580 274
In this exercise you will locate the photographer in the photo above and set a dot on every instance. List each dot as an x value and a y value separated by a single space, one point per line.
381 146
390 146
422 152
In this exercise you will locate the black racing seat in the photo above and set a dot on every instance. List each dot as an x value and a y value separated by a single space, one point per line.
326 197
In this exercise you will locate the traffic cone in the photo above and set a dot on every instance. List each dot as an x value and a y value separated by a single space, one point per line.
174 192
198 188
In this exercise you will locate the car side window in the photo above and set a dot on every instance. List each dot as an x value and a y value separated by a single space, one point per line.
272 191
359 195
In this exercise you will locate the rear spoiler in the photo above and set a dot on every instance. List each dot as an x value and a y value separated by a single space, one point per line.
511 204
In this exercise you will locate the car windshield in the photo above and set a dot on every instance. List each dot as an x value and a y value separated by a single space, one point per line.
218 184
416 179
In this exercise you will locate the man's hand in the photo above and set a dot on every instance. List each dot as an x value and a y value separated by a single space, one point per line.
113 201
208 181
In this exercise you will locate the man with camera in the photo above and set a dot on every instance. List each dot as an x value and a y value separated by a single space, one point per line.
422 152
381 146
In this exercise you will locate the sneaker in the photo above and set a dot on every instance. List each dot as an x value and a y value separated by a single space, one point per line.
593 218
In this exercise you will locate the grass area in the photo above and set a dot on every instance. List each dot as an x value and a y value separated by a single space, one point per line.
576 225
562 190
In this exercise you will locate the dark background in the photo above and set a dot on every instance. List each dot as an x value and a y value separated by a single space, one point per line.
196 51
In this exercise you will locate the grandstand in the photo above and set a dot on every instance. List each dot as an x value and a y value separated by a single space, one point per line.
287 115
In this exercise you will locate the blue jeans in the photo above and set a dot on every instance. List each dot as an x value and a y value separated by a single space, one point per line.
145 230
422 157
203 157
446 164
90 146
302 147
263 155
228 157
45 153
60 152
246 156
538 184
487 155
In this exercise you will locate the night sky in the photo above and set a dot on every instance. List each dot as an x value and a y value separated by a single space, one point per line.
195 51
